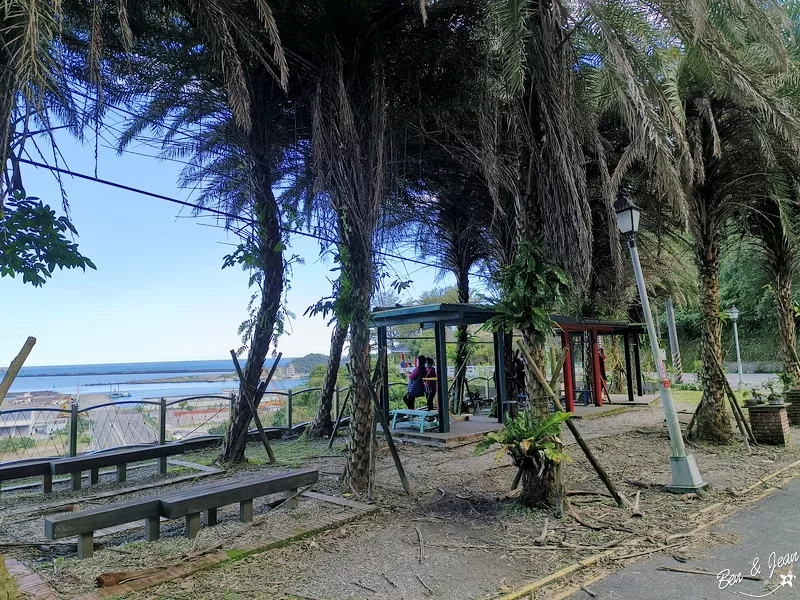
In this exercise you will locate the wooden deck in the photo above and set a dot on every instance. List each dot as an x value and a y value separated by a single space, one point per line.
461 432
468 432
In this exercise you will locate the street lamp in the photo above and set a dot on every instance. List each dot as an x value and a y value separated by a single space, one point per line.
685 475
733 313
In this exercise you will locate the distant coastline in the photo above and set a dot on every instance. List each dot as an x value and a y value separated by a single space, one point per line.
142 380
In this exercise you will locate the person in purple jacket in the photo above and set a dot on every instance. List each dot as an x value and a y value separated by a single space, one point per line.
416 387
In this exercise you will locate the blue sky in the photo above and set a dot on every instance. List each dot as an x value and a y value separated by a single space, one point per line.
159 292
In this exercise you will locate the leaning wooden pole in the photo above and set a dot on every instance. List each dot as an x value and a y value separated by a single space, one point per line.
260 391
15 366
738 413
339 416
575 433
251 405
557 366
385 426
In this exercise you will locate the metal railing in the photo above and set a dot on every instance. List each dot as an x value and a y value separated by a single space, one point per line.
47 432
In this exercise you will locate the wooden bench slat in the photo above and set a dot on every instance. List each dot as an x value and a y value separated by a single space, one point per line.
115 457
194 501
22 470
86 521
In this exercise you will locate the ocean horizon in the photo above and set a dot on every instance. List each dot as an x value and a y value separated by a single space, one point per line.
89 378
141 368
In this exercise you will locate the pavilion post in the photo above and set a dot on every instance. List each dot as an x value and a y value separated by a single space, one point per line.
597 380
497 377
500 366
383 354
626 338
441 377
569 388
637 361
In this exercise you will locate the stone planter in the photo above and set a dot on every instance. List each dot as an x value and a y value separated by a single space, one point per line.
770 423
793 398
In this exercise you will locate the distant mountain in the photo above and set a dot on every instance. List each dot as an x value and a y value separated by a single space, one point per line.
308 362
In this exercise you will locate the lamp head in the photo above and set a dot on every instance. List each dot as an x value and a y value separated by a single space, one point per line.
733 312
628 214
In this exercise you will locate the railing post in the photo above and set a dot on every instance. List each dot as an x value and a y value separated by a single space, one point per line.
486 386
162 434
73 429
336 401
73 442
289 411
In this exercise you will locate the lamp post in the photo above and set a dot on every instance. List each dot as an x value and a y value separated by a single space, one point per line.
685 475
733 313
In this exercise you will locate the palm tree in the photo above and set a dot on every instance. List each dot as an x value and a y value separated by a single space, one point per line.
355 56
215 99
734 130
453 230
322 424
771 222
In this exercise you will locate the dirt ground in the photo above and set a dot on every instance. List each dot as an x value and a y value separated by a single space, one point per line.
473 546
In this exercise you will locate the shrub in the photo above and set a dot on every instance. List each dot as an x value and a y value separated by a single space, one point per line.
20 443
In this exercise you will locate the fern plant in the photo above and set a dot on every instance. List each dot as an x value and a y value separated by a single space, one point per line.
529 440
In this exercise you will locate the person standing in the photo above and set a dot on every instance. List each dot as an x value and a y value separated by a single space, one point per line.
416 386
430 384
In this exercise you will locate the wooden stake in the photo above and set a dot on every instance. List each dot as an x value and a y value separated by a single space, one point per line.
15 366
339 417
385 426
254 411
260 390
576 434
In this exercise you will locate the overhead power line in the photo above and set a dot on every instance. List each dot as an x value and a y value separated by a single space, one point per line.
213 211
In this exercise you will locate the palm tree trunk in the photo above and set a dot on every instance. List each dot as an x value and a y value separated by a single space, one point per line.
711 418
462 284
322 424
537 398
8 89
539 491
359 272
269 258
780 265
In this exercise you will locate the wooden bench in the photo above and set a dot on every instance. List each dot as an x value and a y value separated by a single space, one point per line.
192 502
428 419
86 522
29 468
189 503
75 465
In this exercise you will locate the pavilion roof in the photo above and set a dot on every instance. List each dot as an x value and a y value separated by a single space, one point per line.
474 314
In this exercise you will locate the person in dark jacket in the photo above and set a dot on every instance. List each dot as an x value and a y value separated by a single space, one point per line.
430 386
416 386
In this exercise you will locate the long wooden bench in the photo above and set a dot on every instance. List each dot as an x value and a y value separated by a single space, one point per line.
86 522
29 468
189 503
75 465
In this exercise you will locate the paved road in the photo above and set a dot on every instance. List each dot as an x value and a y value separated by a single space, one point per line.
750 379
771 526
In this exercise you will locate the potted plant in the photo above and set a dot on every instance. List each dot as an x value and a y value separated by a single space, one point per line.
535 447
773 397
791 387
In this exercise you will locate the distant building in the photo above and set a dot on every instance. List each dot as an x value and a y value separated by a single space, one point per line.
290 370
279 372
35 424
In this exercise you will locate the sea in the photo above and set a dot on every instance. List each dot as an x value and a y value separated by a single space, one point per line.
99 378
